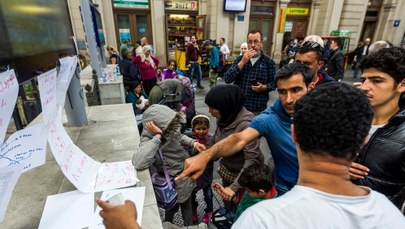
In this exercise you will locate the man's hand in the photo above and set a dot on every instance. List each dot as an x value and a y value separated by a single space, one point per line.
259 87
225 192
358 171
119 217
246 57
194 166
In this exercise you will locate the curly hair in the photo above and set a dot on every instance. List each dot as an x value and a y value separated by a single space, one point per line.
292 69
388 60
256 176
333 119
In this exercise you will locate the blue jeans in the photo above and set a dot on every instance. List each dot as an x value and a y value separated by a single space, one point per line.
357 70
195 67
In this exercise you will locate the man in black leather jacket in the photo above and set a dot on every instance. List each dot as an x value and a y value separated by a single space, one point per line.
380 164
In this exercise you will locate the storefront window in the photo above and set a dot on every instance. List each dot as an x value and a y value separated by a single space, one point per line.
142 26
124 28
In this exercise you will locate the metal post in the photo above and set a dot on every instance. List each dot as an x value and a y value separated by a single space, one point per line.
74 102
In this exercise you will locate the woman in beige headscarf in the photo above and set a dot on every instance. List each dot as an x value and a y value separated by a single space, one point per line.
147 67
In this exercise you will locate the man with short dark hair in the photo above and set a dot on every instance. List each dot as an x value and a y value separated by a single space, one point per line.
326 142
192 54
380 164
253 73
293 82
310 54
335 66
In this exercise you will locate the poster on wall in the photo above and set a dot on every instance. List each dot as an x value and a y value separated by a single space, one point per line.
140 4
125 34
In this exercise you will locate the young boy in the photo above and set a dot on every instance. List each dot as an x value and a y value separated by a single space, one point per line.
258 183
200 125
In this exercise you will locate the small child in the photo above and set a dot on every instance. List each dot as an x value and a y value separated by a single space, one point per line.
257 180
200 126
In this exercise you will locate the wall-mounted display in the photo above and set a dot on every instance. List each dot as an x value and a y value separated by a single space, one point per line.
235 5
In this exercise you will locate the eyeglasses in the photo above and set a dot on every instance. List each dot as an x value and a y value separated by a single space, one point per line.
313 45
254 42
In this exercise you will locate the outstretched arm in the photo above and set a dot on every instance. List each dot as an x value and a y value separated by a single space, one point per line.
195 166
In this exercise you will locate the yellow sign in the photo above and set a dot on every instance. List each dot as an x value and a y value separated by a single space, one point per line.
298 11
282 21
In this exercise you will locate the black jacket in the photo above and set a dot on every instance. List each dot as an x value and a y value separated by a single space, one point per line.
384 155
336 64
129 72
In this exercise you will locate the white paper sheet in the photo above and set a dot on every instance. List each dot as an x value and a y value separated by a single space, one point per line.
80 169
115 175
86 174
8 179
67 210
58 139
26 147
137 195
47 90
8 97
66 70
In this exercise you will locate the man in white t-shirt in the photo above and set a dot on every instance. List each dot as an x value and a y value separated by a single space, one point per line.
224 50
330 124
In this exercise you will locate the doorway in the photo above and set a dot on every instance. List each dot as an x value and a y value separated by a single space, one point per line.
132 26
265 25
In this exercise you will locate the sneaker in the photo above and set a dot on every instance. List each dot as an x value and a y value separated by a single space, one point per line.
194 218
200 87
206 217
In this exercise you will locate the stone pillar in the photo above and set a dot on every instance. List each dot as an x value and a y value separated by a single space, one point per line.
278 40
158 18
391 11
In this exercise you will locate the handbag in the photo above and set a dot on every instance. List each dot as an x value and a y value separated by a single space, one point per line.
166 194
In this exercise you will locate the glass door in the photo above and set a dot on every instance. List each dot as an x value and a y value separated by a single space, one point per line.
265 25
131 27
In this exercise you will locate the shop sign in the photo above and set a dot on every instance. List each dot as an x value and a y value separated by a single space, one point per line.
140 4
181 5
282 20
340 33
297 11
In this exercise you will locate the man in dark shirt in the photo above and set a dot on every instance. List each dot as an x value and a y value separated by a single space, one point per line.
335 66
253 73
192 52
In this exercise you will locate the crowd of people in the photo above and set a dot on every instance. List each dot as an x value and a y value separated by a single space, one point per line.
338 149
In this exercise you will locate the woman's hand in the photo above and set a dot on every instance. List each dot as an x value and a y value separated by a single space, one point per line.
152 128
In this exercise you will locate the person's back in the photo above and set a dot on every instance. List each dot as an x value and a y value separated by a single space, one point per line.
305 207
324 196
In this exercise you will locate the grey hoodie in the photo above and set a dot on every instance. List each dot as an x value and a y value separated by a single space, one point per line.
173 152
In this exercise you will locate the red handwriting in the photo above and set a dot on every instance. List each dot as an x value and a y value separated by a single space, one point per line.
7 84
